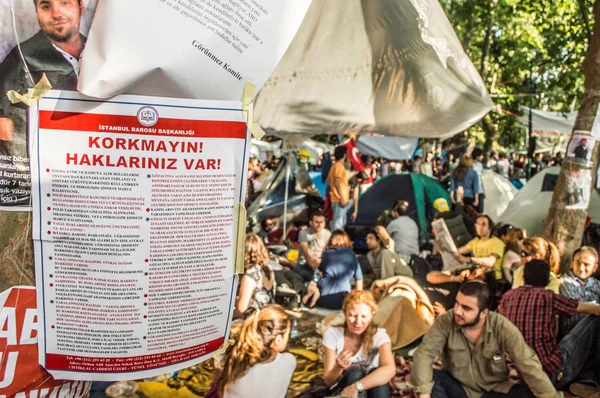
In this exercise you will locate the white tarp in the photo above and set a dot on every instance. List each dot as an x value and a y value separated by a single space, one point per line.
499 192
548 123
387 67
530 206
394 148
186 49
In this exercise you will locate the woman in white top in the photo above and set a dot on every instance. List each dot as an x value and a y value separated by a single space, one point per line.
354 351
512 252
255 365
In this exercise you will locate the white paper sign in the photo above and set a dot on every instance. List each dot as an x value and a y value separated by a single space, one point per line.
134 206
186 48
449 250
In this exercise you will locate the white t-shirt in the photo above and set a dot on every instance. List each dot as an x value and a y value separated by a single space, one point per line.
509 258
266 380
334 339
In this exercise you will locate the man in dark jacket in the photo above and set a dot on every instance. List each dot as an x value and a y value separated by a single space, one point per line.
55 50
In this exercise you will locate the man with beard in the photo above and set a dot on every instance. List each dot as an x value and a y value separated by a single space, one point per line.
312 244
55 50
473 344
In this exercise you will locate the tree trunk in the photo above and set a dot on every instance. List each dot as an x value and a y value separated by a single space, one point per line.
491 132
561 226
487 41
487 124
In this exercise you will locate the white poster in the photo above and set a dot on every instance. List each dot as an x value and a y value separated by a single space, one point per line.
186 48
581 148
134 205
578 189
447 246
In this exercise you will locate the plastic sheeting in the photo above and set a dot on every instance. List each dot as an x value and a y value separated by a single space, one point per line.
393 148
373 66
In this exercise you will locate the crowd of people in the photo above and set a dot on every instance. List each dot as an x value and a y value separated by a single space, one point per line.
504 304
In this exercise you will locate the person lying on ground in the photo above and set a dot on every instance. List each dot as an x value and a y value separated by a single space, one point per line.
313 241
579 284
536 248
512 253
442 286
533 310
385 262
258 285
486 250
338 265
474 343
358 355
255 365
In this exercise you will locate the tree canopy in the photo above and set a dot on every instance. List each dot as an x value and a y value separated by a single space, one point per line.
529 52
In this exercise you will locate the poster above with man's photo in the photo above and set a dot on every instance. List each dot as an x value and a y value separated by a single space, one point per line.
37 38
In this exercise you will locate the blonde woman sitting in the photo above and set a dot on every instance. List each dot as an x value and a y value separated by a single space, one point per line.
257 286
358 355
255 365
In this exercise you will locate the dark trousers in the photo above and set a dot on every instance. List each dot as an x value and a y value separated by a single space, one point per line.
578 350
447 386
332 301
353 375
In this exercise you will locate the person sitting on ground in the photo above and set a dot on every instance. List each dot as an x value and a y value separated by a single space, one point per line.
338 265
257 286
460 223
512 254
579 284
536 248
466 178
385 262
358 355
312 243
474 343
404 231
256 357
533 310
269 231
487 250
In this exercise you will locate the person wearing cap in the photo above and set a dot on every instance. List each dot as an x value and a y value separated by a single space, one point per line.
441 205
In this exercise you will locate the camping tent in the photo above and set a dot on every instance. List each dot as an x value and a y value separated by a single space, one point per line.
530 206
419 189
499 192
301 197
377 66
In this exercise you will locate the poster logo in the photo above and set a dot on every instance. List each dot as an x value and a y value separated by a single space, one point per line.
147 116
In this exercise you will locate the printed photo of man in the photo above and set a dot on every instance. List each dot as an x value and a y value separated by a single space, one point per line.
54 50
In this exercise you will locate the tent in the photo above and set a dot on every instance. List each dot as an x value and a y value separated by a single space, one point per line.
499 192
386 67
301 196
419 189
530 206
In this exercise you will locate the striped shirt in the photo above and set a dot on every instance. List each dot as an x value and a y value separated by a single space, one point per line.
572 287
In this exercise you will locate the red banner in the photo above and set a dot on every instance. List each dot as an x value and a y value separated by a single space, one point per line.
19 369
